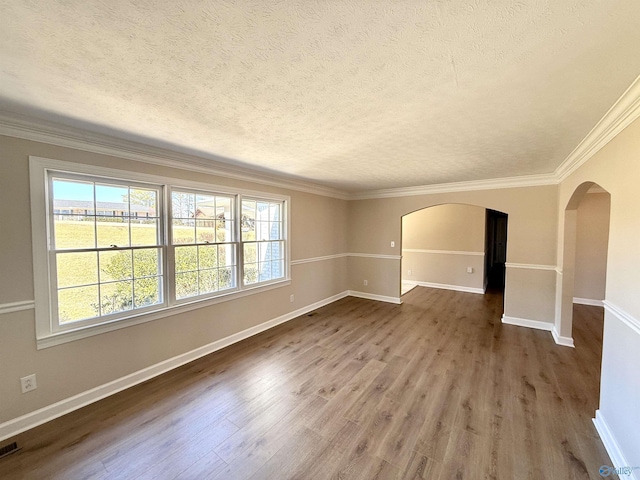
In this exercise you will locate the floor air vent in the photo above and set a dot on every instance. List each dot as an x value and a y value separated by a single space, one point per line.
8 449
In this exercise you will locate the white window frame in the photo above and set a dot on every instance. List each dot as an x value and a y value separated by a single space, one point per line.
257 242
56 326
172 246
48 332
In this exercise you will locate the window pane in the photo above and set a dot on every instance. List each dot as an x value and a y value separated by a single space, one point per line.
275 230
205 207
74 231
250 253
275 251
208 256
72 190
142 202
144 231
277 269
147 292
264 271
186 259
75 269
226 255
116 297
208 281
116 265
224 208
250 273
274 212
77 304
205 231
248 225
183 205
184 231
224 230
113 231
146 263
186 284
112 201
262 251
226 279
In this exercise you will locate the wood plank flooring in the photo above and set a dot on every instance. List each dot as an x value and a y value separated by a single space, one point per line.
436 388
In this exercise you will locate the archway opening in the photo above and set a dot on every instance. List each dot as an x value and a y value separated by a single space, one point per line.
584 254
454 247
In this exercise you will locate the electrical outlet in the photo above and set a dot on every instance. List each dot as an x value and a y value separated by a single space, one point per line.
393 244
409 272
28 383
291 297
366 282
469 269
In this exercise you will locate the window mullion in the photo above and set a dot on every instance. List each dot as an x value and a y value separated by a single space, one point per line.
240 249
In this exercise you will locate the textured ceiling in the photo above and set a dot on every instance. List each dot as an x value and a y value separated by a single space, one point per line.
356 95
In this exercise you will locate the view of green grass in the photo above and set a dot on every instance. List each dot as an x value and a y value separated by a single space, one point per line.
199 269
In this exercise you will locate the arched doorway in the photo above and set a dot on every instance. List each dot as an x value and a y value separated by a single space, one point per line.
454 247
584 251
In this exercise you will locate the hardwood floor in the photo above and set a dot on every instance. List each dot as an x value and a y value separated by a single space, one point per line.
436 388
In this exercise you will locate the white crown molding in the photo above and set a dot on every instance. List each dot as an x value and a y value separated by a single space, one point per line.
489 184
37 130
624 112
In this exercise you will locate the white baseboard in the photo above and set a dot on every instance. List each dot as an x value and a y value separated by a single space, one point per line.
560 340
33 419
625 470
588 301
525 322
444 286
538 325
372 296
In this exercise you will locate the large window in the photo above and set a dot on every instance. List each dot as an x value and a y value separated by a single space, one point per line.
204 243
263 240
106 256
113 248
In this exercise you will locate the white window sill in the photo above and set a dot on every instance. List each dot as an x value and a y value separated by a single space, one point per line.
66 336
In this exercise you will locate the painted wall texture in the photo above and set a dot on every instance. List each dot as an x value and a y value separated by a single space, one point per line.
325 226
531 242
318 228
592 241
439 243
616 168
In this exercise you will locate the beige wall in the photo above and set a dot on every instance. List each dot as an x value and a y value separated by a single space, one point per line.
616 168
438 245
531 243
592 240
318 228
